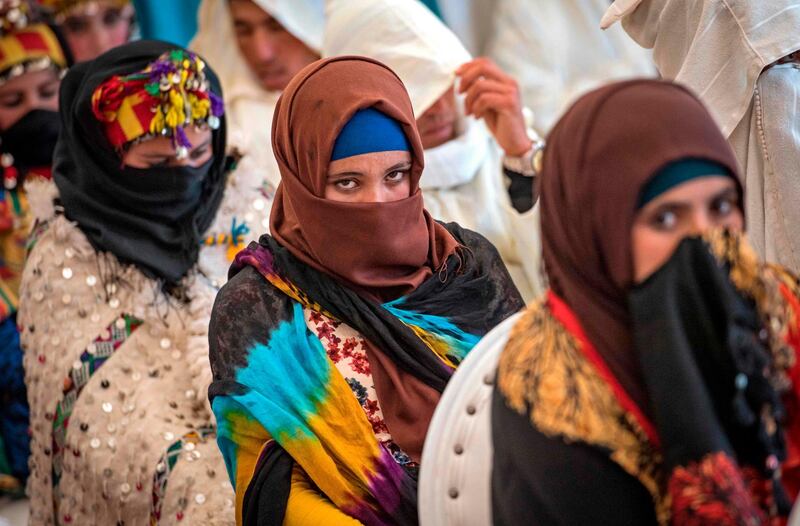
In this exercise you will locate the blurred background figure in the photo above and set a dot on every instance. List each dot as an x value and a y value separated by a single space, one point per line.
92 27
257 46
32 58
557 53
467 127
468 19
741 58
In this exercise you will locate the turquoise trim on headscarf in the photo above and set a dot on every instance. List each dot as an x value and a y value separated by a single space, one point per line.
369 131
677 173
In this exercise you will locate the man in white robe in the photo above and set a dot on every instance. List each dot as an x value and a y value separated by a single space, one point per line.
256 47
740 57
557 53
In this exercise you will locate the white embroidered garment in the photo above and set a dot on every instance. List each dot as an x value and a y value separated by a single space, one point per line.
117 375
243 216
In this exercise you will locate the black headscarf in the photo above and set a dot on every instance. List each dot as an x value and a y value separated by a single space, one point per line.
153 218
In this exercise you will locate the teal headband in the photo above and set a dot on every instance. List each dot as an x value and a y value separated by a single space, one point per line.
676 173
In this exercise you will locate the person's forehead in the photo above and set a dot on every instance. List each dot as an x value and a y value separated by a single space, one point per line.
32 78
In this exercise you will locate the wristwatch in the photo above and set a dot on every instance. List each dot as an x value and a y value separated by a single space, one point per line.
529 163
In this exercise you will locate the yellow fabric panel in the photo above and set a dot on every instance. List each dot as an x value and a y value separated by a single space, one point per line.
127 119
308 507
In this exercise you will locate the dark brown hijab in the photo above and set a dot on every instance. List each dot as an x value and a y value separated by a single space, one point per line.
599 156
382 249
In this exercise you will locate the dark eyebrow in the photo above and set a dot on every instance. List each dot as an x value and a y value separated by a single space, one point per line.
726 192
348 174
203 144
404 165
154 155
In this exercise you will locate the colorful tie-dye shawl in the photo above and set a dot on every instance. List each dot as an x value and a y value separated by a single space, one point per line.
280 401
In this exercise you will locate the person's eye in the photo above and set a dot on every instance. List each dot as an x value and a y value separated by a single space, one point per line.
243 30
11 101
76 25
346 184
273 26
198 153
48 92
723 206
397 176
665 220
112 17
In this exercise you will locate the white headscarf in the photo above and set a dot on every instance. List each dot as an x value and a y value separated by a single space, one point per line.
716 47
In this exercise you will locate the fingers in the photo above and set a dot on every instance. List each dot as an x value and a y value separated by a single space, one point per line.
471 72
490 102
486 86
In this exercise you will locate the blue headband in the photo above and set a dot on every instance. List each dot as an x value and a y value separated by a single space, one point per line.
676 173
369 131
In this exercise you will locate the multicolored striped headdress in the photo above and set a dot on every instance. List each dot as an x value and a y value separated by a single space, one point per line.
63 8
161 100
24 44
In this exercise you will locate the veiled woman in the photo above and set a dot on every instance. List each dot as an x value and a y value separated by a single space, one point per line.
335 336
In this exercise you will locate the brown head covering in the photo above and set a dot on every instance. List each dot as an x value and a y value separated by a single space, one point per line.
599 156
382 249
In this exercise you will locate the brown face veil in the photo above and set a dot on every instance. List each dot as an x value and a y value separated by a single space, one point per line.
382 249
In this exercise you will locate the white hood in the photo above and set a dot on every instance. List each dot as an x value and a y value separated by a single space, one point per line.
216 41
402 34
716 47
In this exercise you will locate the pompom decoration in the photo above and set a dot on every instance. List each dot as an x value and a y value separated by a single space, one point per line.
160 101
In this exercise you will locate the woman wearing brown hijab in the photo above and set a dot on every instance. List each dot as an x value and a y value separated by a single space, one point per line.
335 336
652 384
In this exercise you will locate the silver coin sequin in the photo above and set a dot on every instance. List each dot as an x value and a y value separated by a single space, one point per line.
91 280
125 488
66 273
94 443
259 204
107 407
120 323
200 498
69 253
169 436
189 446
113 303
165 343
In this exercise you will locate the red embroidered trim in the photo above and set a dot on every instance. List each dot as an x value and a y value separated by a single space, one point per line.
712 491
567 318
